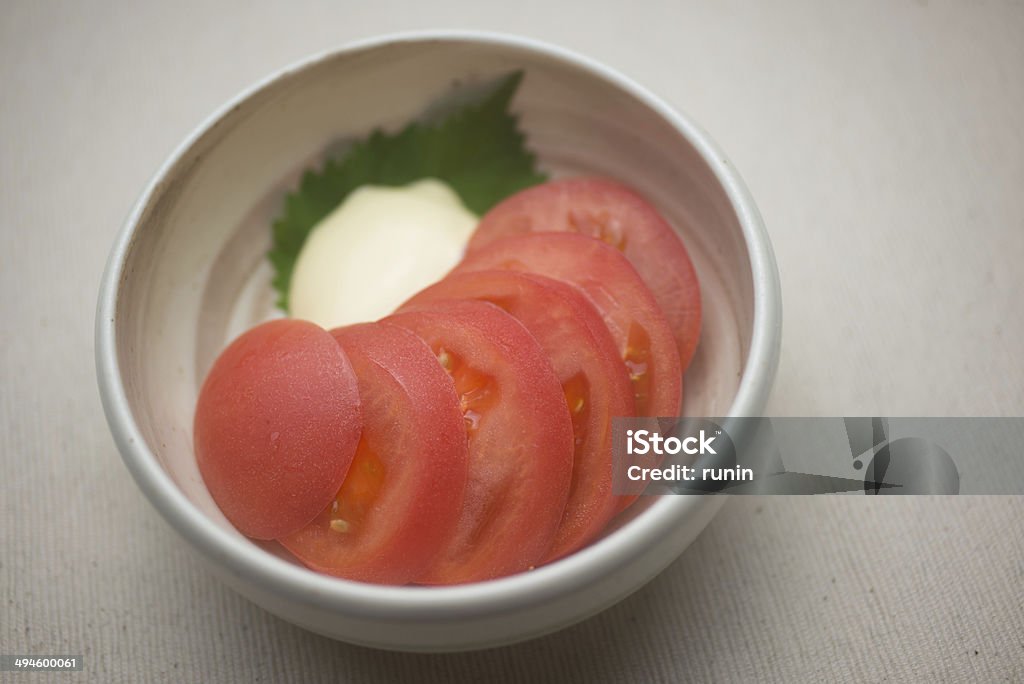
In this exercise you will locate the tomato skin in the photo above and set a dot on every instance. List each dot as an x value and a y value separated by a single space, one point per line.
594 381
612 285
613 212
520 443
411 423
276 426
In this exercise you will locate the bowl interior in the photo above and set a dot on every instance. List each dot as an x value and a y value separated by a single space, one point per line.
195 273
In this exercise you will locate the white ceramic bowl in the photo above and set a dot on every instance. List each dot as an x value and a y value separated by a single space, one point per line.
188 272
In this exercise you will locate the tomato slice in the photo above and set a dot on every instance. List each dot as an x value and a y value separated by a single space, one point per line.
276 426
594 381
403 495
520 438
631 313
618 215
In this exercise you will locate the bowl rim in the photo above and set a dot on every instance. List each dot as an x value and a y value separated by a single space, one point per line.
420 604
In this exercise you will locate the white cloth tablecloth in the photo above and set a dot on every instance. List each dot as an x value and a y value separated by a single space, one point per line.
883 143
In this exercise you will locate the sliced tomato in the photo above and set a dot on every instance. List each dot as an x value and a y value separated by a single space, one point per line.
403 495
276 427
612 285
594 381
610 211
520 438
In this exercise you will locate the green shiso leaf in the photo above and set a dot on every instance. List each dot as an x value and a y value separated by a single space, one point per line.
478 150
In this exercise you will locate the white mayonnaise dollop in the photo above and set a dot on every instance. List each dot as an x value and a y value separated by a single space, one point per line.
377 249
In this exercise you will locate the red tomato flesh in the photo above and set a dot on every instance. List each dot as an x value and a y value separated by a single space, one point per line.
276 427
594 381
618 215
612 285
403 495
520 438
